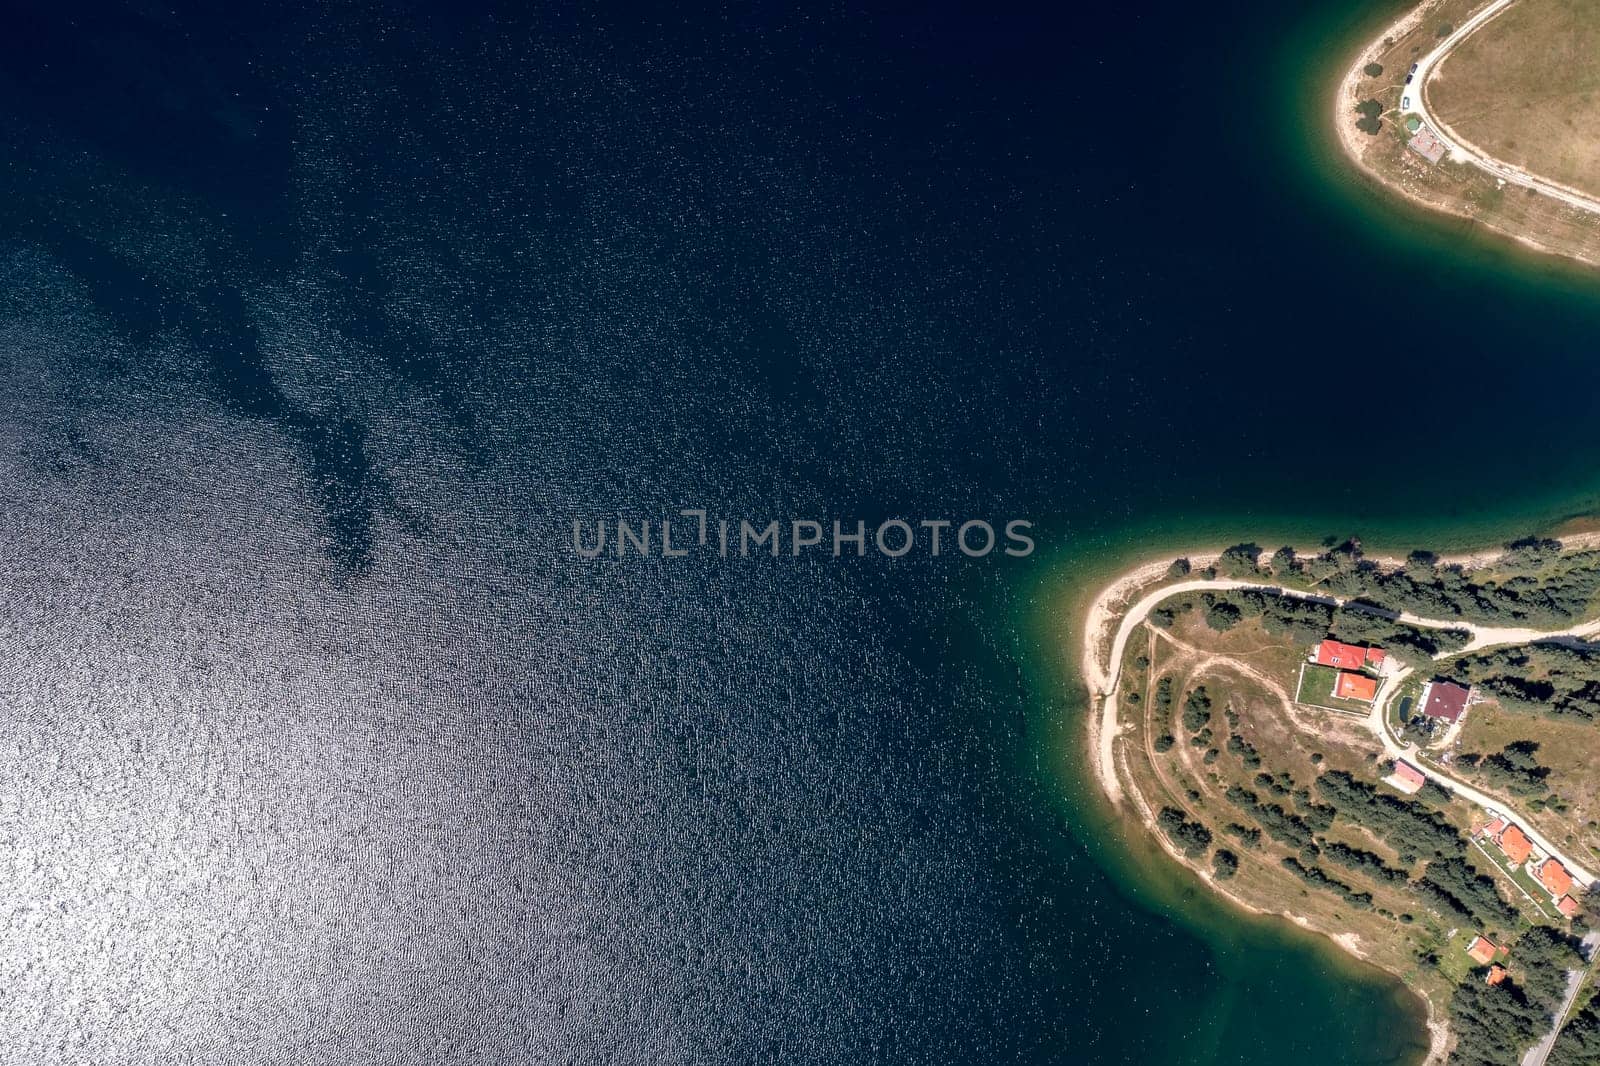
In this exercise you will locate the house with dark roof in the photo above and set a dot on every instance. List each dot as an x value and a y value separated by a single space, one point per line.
1444 700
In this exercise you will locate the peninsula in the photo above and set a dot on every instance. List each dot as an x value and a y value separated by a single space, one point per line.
1486 109
1400 754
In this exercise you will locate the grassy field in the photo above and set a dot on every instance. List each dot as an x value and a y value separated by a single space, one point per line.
1454 962
1316 689
1526 89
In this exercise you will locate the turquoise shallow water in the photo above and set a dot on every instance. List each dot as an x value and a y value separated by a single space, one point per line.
314 344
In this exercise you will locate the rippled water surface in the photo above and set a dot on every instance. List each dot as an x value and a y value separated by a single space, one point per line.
319 327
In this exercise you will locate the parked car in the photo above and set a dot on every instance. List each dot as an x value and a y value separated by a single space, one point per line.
1408 79
1405 102
1413 69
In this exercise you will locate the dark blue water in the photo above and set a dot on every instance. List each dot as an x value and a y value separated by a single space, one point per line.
318 329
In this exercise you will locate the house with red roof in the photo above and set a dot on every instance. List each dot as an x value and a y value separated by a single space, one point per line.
1444 699
1355 687
1569 906
1347 656
1497 973
1483 950
1555 879
1516 845
1493 828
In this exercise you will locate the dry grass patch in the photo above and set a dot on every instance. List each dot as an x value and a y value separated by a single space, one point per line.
1526 89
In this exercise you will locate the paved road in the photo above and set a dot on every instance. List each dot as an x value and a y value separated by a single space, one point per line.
1481 637
1464 150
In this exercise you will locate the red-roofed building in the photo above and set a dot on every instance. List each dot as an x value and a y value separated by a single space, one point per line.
1355 687
1554 877
1375 657
1569 906
1444 699
1516 846
1406 778
1341 656
1482 950
1497 973
1494 828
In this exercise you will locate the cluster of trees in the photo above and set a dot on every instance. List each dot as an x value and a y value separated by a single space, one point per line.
1431 790
1369 122
1224 864
1579 1042
1238 745
1191 837
1161 702
1318 816
1532 583
1222 615
1317 877
1299 619
1554 679
1495 1024
1415 831
1362 861
1280 784
1514 768
1416 647
1248 835
1279 824
1303 621
1197 709
1454 887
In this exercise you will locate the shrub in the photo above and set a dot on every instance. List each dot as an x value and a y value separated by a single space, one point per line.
1192 838
1197 710
1222 616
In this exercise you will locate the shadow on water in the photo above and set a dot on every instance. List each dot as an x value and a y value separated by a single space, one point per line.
218 328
